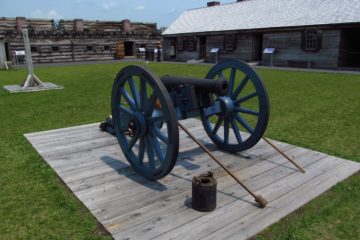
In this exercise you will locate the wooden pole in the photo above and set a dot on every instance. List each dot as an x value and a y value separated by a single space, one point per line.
284 155
260 200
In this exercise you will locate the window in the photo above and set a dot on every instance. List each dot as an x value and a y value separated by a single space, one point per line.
191 44
55 48
89 48
311 40
230 42
106 48
33 49
180 43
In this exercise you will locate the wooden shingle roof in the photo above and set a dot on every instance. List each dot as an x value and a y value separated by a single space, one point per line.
263 14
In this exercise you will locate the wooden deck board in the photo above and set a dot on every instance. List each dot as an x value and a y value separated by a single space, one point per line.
238 209
228 193
299 195
92 165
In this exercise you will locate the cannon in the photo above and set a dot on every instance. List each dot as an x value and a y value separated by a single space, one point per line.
231 101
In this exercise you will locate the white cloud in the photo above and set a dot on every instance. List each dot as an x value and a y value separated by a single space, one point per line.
140 8
108 6
52 14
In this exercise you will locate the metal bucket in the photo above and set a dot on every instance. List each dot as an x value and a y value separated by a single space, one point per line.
204 192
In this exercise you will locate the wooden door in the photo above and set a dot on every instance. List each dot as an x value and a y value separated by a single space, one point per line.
120 50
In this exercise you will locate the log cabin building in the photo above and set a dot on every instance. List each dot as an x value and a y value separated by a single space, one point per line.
292 33
75 40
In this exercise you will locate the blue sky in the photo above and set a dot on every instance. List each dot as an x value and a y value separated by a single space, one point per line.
163 12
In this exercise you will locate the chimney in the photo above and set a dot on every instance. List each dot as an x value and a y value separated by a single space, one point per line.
20 22
214 3
78 25
125 25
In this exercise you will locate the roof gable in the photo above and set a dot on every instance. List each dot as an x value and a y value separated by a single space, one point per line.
260 14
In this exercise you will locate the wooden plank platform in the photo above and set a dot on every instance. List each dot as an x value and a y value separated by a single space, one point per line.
92 165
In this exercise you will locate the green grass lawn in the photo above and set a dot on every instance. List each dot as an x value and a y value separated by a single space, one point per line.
319 111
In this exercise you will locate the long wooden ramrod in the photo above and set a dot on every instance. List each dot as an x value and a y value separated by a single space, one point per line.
260 200
284 155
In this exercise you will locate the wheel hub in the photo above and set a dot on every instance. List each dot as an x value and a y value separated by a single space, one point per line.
137 125
227 105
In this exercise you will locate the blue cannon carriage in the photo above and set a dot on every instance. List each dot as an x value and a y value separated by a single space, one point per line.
231 101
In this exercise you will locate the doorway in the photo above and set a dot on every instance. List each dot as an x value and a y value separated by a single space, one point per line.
202 52
173 48
129 48
7 52
349 51
257 47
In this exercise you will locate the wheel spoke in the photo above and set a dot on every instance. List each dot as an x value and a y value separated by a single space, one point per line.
150 104
150 153
226 130
128 99
143 94
134 92
236 130
155 119
207 115
243 122
221 74
157 148
217 126
240 87
132 142
159 134
125 110
231 81
247 111
243 99
141 150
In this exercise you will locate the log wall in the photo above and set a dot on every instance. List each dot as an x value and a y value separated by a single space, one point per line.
289 49
92 26
148 28
244 50
7 24
110 26
288 45
94 40
68 50
10 24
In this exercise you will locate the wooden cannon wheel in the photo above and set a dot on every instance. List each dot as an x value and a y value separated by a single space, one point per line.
245 108
142 106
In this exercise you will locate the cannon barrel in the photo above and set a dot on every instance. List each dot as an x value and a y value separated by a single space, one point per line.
218 86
